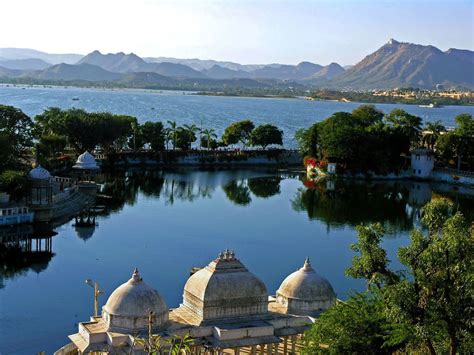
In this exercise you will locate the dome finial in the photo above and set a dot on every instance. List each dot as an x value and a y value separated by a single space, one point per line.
307 264
136 275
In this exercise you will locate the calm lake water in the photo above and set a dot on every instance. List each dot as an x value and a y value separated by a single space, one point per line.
208 111
166 222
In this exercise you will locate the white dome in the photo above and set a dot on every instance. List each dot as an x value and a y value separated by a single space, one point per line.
305 291
129 305
225 289
86 161
39 173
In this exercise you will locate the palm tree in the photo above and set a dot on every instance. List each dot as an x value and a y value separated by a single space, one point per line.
192 129
432 132
173 132
209 134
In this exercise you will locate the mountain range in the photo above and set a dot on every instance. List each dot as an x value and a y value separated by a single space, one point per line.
395 64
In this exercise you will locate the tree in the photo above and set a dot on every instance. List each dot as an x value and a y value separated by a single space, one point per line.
172 131
409 125
153 134
185 138
265 135
459 143
307 140
238 132
193 130
358 326
208 138
368 115
433 131
16 139
432 300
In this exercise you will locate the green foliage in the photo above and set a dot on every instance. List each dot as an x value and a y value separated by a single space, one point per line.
238 132
432 299
358 326
15 137
50 146
307 140
185 138
265 135
368 115
14 183
84 130
208 139
458 144
153 133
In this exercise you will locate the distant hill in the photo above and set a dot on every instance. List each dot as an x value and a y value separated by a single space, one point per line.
24 64
83 71
301 71
395 64
398 64
328 72
219 72
131 63
26 53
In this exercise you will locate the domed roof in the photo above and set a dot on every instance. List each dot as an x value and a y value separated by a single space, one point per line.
39 173
135 298
86 161
306 284
225 278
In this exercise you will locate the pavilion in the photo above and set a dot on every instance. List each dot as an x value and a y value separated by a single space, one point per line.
225 310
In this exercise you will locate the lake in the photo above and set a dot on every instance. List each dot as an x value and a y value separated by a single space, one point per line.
166 222
206 111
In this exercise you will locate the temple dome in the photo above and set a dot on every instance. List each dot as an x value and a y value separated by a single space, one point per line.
305 291
225 289
86 161
39 173
129 305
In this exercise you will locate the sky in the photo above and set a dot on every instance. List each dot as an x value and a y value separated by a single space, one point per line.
244 31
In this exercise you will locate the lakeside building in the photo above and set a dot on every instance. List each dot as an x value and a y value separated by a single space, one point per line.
53 197
225 310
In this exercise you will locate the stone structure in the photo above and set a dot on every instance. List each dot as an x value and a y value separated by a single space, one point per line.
422 163
211 294
125 309
305 292
86 161
225 308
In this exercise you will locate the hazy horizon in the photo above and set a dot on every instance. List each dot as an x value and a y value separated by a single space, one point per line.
246 32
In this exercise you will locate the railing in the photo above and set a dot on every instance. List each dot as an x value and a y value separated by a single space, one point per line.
455 171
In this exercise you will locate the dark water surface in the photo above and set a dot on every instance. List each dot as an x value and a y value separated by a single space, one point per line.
208 111
165 223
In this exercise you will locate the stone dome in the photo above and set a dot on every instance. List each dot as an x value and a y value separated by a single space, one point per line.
225 289
86 161
39 173
128 307
305 292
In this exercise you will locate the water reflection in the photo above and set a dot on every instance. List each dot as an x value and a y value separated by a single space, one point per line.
24 248
337 204
395 204
118 189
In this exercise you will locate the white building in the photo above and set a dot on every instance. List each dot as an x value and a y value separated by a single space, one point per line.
422 163
225 309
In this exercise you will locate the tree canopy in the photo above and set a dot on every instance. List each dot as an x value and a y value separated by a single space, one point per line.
428 304
16 139
238 132
265 135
